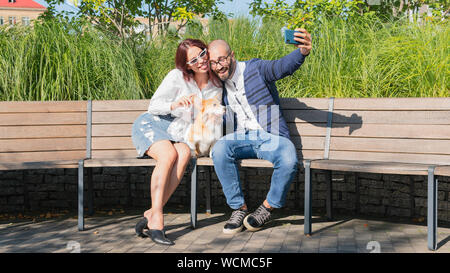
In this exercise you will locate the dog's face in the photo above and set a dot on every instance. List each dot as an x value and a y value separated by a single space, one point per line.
212 108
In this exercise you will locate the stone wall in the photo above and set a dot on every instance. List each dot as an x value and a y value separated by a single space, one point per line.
129 187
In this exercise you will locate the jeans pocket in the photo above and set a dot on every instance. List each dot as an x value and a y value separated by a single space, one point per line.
244 151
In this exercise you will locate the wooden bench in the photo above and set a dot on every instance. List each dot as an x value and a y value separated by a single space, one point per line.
37 135
109 142
409 136
396 136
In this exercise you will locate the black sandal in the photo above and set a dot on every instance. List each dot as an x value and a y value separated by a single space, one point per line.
140 226
158 236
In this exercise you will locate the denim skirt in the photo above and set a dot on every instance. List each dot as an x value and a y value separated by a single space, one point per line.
148 129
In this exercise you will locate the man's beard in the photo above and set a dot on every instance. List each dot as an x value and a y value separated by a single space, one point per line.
225 72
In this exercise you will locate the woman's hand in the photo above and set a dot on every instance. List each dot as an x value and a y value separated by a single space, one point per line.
184 101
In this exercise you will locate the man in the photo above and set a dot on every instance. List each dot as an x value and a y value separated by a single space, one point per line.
261 131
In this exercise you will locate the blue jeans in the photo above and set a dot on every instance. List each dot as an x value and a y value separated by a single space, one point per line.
255 144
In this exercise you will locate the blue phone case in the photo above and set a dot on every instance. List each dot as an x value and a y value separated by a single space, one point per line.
289 37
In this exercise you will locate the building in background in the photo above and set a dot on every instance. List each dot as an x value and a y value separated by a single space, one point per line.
19 12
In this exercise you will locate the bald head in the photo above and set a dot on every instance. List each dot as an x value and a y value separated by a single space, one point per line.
220 45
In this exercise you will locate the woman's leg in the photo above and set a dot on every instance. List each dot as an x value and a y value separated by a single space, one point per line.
165 155
178 169
184 155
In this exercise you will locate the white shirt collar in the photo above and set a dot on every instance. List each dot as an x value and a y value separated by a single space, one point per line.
237 74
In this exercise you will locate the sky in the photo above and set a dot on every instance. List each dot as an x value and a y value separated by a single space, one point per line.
240 7
68 6
237 7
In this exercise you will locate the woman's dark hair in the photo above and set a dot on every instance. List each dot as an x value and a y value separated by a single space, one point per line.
181 59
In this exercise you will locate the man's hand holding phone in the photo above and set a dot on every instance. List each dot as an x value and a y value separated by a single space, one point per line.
301 39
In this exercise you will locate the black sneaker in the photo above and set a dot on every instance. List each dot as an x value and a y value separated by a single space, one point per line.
234 224
257 219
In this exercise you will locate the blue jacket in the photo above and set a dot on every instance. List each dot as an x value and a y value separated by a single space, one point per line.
262 94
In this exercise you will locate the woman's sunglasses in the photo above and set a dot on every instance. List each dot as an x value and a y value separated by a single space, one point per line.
200 56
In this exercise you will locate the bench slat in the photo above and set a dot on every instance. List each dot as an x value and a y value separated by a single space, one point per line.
142 105
121 143
105 154
99 130
120 105
392 117
42 106
126 117
42 156
203 161
300 116
304 103
391 157
370 167
40 165
45 131
304 129
43 118
392 104
41 144
307 129
420 146
390 131
442 170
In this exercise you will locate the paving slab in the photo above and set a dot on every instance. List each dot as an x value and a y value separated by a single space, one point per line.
285 234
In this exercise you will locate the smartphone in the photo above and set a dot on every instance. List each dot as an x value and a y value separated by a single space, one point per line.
289 37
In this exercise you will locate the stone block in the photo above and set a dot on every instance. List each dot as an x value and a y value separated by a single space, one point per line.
59 195
7 191
399 202
15 200
37 195
372 176
13 175
371 209
112 185
400 212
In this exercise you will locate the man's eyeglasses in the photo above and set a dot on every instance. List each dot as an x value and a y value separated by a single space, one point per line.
222 61
200 56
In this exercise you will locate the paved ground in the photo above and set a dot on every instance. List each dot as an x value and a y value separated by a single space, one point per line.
284 234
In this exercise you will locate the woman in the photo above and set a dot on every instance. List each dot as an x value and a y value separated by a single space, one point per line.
173 98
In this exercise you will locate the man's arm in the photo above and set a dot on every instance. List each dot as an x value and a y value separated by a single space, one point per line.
278 69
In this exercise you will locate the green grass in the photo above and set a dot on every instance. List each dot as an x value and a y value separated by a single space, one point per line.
349 59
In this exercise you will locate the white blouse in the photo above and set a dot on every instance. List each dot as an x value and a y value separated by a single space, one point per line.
171 89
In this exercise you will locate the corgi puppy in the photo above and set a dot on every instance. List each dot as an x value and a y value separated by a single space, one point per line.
207 126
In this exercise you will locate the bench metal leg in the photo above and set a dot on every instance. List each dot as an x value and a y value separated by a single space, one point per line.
208 190
329 195
357 193
80 195
432 209
194 194
90 192
308 198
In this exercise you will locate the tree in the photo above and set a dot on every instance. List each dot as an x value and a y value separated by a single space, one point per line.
118 16
115 16
162 12
395 9
306 13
